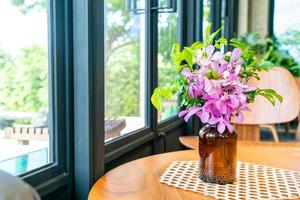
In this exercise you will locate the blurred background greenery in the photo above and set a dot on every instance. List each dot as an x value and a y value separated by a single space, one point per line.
283 51
24 78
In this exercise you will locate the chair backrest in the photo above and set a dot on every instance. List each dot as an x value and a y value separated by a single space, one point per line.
262 111
298 83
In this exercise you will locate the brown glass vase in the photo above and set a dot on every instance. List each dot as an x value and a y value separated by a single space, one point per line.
217 155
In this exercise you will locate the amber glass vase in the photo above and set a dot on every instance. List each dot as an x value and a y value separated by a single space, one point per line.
217 155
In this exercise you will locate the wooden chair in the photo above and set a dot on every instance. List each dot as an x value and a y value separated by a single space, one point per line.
297 136
263 113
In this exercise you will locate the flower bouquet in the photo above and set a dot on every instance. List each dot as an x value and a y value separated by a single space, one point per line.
212 85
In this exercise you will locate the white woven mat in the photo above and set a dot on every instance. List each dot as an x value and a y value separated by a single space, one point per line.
253 182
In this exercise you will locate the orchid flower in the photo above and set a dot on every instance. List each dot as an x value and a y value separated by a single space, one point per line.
213 98
189 112
204 58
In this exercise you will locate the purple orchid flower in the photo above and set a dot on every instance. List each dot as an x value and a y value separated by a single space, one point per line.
223 123
222 97
218 63
205 60
189 112
235 58
195 89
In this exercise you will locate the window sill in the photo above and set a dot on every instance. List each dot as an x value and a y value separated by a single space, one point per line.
123 144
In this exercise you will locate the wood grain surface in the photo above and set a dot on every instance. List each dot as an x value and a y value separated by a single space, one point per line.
139 179
262 111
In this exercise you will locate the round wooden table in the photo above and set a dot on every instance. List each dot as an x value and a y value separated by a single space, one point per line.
139 179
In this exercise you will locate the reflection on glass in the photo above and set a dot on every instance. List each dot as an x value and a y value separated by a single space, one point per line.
125 68
287 26
206 15
167 35
163 3
223 16
24 137
286 16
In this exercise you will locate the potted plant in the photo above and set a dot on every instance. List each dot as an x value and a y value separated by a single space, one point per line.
212 85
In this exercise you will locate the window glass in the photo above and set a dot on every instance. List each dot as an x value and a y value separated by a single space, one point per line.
24 137
287 26
124 67
168 32
206 15
223 16
286 15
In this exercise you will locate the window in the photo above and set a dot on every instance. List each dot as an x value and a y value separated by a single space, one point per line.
286 15
206 15
24 105
168 34
125 63
124 68
286 27
223 17
129 66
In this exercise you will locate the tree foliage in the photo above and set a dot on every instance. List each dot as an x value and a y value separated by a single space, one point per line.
24 87
24 73
124 55
277 51
23 82
26 6
122 82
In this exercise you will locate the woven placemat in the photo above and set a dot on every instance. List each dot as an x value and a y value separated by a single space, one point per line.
253 182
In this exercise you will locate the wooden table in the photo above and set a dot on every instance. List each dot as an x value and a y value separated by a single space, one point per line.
139 179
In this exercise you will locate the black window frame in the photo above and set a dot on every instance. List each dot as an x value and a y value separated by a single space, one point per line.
76 85
230 9
59 173
271 18
188 11
231 18
125 143
78 67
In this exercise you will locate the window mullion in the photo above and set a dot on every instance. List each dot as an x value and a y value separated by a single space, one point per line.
151 63
216 14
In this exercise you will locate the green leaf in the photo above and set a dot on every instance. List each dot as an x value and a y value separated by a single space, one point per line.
207 32
268 53
178 57
197 45
234 40
295 67
175 49
266 64
212 74
156 99
180 67
187 56
212 36
190 51
268 97
278 96
208 75
161 93
220 42
217 45
273 93
167 92
236 43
